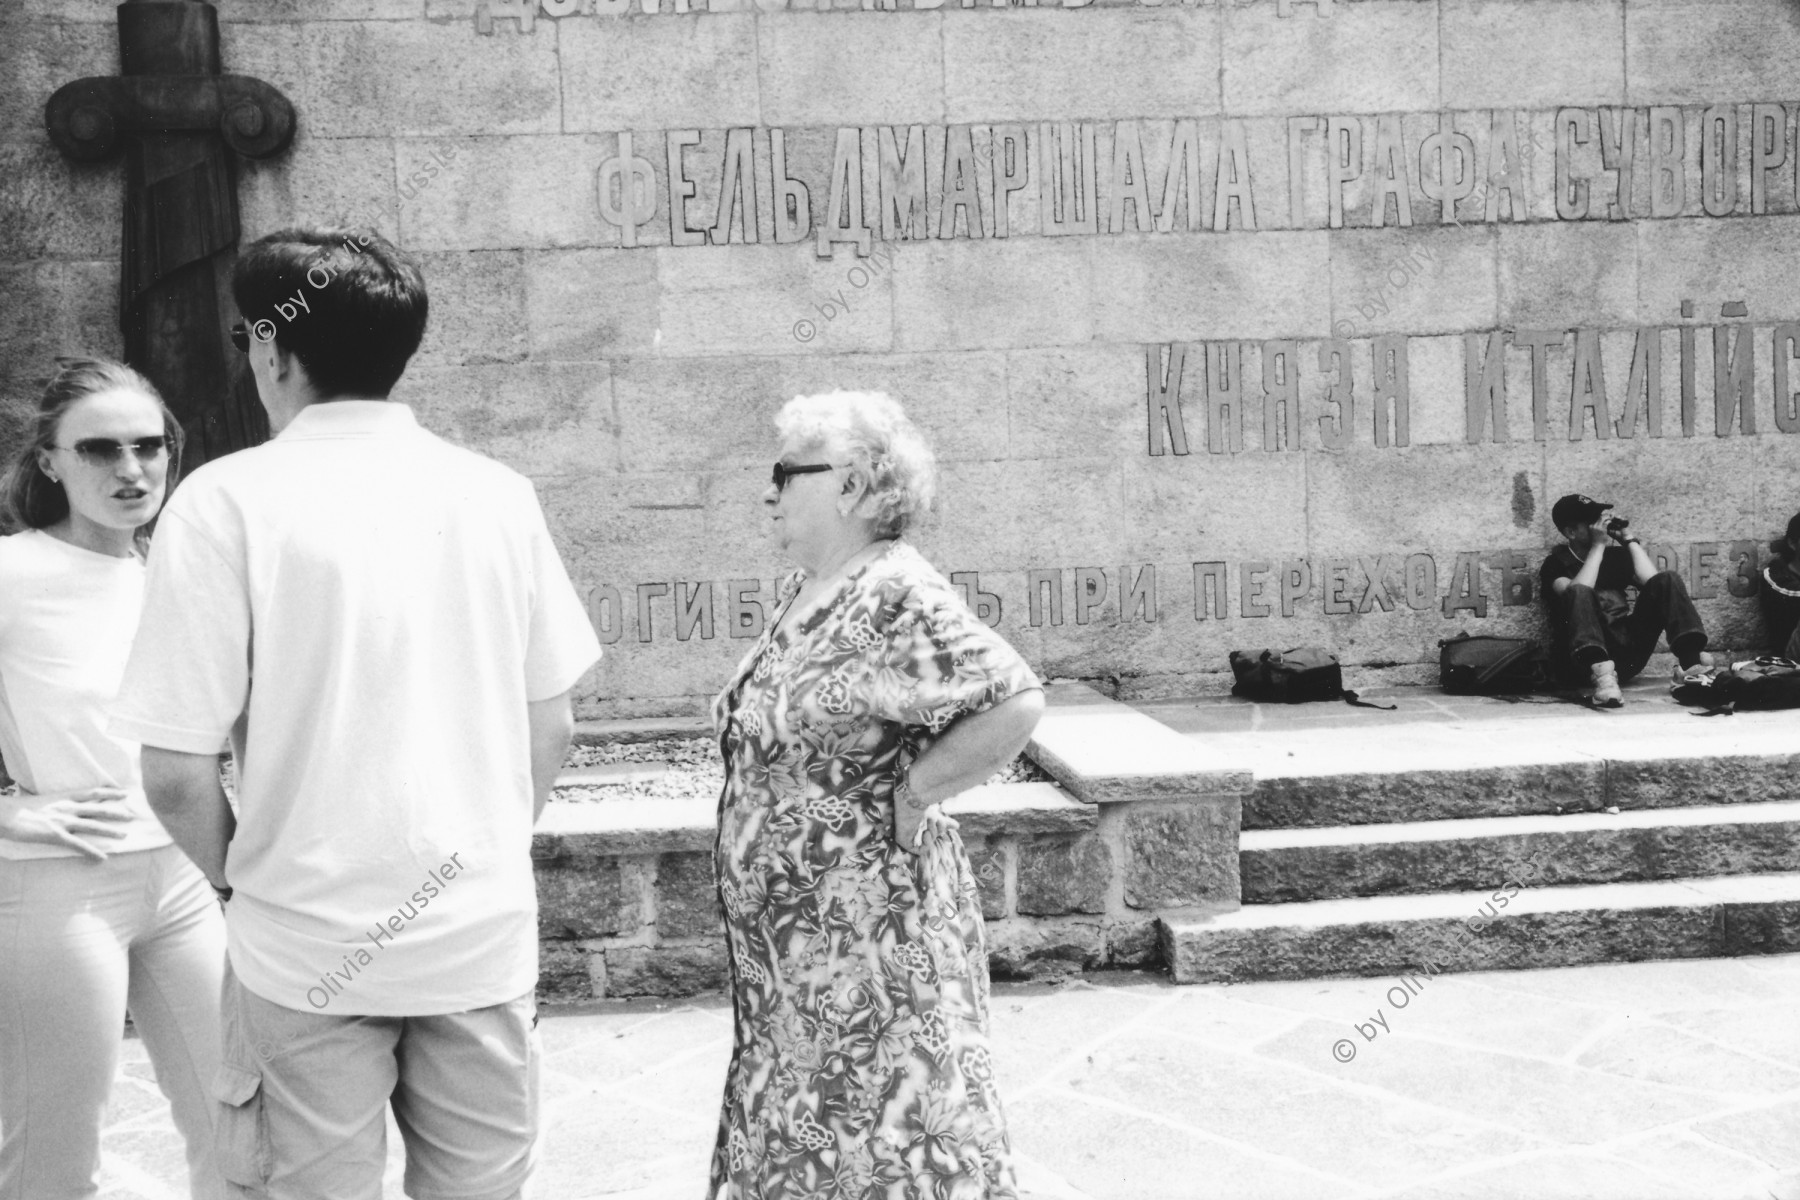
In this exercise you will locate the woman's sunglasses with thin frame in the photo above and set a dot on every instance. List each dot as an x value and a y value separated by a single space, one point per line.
104 452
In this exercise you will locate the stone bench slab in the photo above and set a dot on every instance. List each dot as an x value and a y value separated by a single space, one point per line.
1020 808
629 826
1103 751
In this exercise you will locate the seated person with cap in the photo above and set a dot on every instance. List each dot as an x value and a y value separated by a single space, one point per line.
1599 634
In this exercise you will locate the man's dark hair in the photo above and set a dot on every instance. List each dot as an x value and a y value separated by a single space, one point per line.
346 302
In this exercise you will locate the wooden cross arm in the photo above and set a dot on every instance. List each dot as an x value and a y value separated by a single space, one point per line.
85 118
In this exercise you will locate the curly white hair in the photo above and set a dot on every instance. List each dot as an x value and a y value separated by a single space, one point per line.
875 436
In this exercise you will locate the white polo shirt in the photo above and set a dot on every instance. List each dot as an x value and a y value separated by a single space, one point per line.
381 606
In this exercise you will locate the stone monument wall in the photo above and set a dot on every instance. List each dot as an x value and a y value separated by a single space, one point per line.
1234 325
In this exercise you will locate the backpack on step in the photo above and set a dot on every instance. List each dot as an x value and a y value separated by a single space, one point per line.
1760 685
1482 665
1292 677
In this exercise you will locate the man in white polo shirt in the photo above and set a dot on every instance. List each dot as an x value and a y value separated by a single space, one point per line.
380 622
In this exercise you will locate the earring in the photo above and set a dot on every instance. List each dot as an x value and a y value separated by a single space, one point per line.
52 478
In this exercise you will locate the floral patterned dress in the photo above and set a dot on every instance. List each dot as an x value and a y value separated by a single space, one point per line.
859 972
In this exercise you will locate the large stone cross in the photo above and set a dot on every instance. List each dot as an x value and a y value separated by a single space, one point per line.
174 115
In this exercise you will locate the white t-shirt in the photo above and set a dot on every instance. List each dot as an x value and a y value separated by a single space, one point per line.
382 605
66 620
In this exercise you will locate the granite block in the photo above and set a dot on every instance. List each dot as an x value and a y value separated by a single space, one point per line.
859 69
1777 462
987 859
272 52
1029 292
1075 400
1280 874
1058 65
1135 944
704 527
1433 499
325 181
538 418
619 829
687 897
477 307
563 974
1562 275
1706 51
1532 56
1150 287
54 307
1205 507
1435 372
509 192
1710 779
51 207
724 418
1361 798
392 79
667 970
1019 808
43 55
1059 875
1414 281
253 11
1538 940
953 398
1713 261
1181 855
1277 66
1044 949
582 896
1025 513
585 305
1672 490
734 300
659 74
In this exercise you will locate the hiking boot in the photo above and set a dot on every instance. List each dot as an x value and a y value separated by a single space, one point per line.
1606 686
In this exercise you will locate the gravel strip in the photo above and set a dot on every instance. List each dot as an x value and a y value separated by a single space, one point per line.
695 770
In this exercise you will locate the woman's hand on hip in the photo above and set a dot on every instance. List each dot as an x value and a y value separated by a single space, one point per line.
911 816
69 819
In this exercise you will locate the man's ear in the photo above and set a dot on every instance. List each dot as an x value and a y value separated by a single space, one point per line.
283 362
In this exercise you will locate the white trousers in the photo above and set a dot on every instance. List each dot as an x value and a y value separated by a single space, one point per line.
80 942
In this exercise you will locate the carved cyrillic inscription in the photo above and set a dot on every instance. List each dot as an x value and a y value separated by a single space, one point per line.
1456 585
1332 393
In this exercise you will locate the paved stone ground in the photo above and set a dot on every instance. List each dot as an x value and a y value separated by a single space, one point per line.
1640 1081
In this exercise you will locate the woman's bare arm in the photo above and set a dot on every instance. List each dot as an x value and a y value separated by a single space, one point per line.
968 754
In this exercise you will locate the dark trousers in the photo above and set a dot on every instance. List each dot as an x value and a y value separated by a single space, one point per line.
1594 626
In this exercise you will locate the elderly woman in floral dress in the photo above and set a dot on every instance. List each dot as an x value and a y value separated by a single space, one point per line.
858 959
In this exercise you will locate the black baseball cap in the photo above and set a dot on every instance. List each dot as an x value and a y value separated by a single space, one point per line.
1576 509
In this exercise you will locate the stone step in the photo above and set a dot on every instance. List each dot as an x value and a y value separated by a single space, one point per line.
612 774
640 729
1289 865
1500 929
1545 764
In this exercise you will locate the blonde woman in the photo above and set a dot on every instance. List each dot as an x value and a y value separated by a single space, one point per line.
99 912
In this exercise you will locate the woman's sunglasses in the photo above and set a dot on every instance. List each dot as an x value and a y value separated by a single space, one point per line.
783 472
104 452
